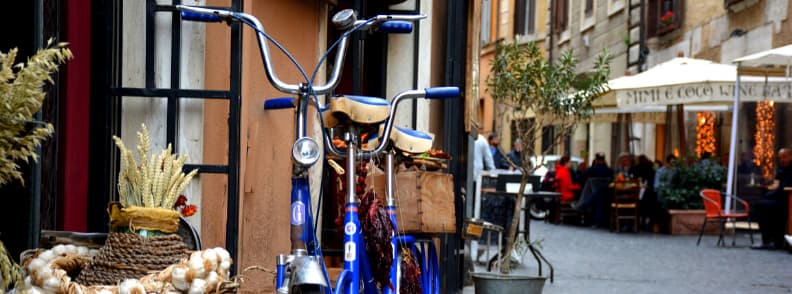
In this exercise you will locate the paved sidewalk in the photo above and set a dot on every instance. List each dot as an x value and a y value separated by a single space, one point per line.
596 261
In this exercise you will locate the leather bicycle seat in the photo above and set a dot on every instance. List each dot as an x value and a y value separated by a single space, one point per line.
411 141
403 139
357 109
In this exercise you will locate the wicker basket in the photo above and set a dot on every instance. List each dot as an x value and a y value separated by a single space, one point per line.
52 270
131 256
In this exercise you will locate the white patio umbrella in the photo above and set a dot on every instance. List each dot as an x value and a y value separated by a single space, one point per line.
771 63
690 81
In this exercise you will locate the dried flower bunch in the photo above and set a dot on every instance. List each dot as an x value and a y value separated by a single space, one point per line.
157 182
21 96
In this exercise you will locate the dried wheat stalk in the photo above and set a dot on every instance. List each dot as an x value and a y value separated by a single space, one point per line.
155 182
21 96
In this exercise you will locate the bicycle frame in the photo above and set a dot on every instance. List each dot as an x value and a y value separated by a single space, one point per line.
305 265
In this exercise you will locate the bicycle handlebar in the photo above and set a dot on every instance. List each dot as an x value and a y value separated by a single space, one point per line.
396 27
441 92
279 103
192 13
203 17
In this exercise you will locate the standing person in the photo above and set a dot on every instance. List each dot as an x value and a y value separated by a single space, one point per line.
663 176
482 156
515 155
645 173
497 156
771 210
493 141
563 180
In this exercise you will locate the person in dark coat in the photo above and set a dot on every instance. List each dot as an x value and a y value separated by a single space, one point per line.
515 155
596 201
643 170
772 210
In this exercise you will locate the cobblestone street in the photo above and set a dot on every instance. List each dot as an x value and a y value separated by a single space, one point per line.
596 261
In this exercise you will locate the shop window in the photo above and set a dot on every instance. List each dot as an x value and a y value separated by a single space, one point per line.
664 16
524 17
561 15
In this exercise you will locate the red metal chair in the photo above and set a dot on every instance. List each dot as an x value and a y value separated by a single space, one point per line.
715 212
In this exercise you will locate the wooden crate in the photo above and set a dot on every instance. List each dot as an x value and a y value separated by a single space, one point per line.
425 200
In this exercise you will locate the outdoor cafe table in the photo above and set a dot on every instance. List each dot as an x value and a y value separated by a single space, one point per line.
524 227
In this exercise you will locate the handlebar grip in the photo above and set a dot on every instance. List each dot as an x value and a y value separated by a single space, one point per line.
279 103
203 17
442 92
396 27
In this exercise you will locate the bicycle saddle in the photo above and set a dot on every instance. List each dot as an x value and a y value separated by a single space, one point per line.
357 109
406 140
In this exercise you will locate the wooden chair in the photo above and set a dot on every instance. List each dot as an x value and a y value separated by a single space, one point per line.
624 205
715 213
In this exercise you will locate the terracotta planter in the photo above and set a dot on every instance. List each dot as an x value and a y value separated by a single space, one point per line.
688 222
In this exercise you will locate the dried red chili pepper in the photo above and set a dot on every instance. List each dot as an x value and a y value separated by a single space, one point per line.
410 282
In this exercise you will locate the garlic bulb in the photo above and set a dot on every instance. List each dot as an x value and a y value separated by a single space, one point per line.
52 284
179 278
210 259
198 287
196 265
212 279
131 286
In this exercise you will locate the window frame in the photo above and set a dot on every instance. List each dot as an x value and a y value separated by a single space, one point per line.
615 6
588 21
524 18
561 24
654 22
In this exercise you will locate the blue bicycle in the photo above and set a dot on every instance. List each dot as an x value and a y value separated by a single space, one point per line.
303 270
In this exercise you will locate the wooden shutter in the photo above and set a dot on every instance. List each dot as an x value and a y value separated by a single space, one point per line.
561 15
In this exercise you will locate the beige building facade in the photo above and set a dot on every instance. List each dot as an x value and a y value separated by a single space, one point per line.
640 34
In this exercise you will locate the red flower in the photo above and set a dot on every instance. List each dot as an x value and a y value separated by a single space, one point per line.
189 210
667 18
181 201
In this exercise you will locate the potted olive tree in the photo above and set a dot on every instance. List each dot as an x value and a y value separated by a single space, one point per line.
539 94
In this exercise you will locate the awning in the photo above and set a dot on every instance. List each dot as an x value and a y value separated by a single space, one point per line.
781 56
694 81
648 114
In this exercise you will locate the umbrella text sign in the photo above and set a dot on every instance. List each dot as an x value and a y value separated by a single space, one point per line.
703 93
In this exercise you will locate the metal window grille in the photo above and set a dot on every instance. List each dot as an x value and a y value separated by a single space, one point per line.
114 92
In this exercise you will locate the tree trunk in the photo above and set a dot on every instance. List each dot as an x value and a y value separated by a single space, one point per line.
515 222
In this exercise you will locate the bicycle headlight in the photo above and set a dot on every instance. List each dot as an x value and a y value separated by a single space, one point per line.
305 151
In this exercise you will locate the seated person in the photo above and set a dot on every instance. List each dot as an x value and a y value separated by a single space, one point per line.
771 210
595 194
563 179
